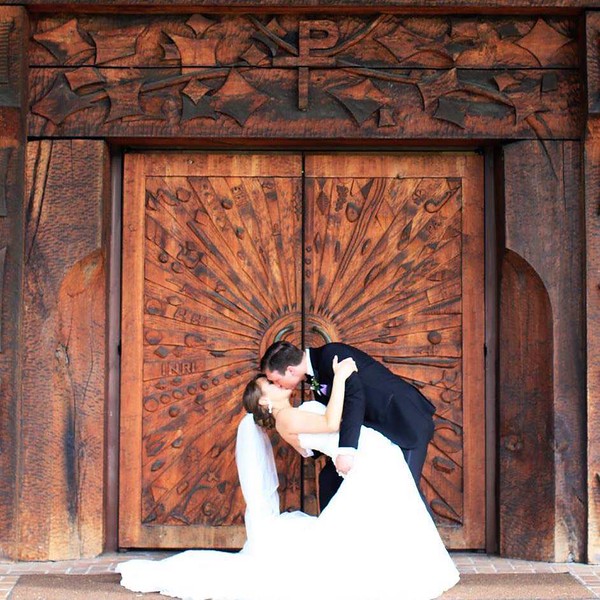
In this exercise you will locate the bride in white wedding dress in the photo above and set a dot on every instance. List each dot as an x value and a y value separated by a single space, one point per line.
375 540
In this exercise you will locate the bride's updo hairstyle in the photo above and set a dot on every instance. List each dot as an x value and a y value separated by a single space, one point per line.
252 395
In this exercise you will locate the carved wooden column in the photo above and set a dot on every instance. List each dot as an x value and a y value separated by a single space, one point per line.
542 366
592 237
64 351
13 108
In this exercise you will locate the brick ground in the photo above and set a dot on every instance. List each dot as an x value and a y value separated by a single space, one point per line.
588 575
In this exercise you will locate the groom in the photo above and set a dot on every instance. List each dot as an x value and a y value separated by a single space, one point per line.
374 397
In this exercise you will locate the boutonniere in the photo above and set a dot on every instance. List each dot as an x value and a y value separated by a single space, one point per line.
314 384
319 388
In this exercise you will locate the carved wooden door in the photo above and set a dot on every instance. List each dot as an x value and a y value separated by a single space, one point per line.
392 263
211 269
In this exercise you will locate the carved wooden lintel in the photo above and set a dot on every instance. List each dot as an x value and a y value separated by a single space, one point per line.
291 40
359 103
381 76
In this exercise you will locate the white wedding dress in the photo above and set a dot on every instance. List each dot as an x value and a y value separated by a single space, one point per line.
374 541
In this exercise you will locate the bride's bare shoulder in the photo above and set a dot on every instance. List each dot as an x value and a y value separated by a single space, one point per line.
285 427
285 420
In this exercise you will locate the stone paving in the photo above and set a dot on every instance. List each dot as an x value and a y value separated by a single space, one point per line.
589 575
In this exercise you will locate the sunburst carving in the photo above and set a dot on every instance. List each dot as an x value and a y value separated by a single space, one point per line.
381 268
385 271
210 294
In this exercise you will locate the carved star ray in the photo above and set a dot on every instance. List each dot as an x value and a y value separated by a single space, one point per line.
326 222
216 226
393 313
249 263
168 315
270 236
404 255
205 283
228 361
384 305
195 431
330 296
230 315
182 470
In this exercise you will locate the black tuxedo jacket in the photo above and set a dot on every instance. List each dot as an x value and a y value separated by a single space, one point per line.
374 397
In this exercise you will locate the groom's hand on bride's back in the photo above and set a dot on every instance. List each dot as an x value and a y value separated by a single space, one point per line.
343 463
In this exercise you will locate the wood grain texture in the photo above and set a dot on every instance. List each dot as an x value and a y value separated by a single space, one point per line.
13 107
416 6
293 40
212 242
592 65
592 237
544 221
526 432
64 330
394 266
351 102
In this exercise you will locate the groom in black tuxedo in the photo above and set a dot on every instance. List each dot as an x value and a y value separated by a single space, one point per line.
374 397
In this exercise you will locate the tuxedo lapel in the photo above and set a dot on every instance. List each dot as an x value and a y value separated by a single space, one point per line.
315 360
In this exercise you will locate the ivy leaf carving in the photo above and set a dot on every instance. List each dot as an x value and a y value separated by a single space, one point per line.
238 99
60 102
361 99
65 43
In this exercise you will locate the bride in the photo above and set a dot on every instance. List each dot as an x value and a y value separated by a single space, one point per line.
375 540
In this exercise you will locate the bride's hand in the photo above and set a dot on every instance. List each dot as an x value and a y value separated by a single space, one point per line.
344 368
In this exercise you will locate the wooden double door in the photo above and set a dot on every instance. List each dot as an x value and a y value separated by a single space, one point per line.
223 253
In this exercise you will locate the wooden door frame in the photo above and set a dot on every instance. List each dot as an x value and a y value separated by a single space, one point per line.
491 272
490 200
113 383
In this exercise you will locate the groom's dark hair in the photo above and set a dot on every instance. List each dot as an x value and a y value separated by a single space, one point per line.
279 356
